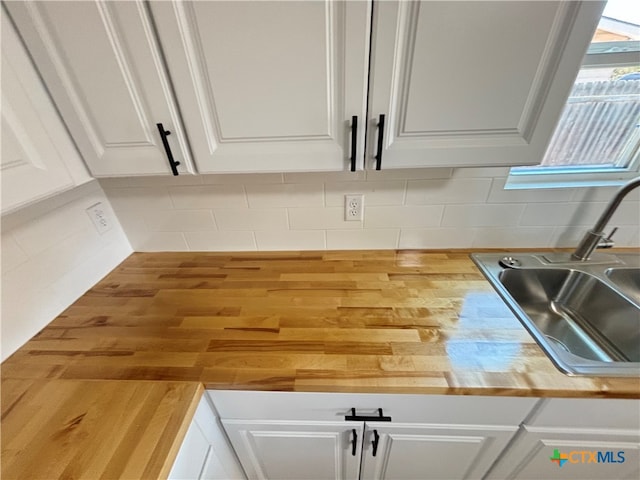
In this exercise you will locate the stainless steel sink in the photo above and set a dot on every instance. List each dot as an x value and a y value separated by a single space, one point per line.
627 280
584 314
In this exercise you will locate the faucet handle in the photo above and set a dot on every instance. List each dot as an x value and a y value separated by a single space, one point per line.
608 241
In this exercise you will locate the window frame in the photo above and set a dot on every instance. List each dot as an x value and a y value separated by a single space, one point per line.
600 54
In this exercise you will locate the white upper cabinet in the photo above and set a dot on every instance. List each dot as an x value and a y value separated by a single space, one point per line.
275 86
472 83
104 69
269 86
38 158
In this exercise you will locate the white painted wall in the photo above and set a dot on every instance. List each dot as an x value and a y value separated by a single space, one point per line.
422 208
51 255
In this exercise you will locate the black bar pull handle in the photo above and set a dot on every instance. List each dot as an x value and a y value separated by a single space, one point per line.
366 418
354 141
378 156
374 442
163 135
354 442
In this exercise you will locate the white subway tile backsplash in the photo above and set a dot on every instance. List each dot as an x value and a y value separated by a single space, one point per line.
139 198
602 194
499 195
626 235
158 241
178 220
480 172
448 191
83 276
436 237
132 221
39 234
49 274
355 239
115 182
210 196
408 174
242 178
156 181
633 240
375 193
12 255
326 177
627 213
285 195
513 237
408 216
483 215
223 241
553 214
45 267
412 208
564 237
291 240
251 218
320 218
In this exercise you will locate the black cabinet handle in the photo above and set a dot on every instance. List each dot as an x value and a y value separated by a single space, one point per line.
366 418
378 156
163 135
354 141
354 442
374 442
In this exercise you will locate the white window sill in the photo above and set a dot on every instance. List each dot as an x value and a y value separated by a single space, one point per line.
532 178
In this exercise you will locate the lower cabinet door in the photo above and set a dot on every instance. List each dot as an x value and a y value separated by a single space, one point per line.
297 450
205 453
423 451
566 453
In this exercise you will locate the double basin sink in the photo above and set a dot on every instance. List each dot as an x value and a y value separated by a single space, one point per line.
584 314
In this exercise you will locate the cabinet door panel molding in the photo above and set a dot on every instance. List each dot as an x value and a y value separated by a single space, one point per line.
278 86
268 86
103 66
486 91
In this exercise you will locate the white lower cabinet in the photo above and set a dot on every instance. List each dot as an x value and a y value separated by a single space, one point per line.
306 436
584 453
205 452
418 451
338 436
297 449
575 439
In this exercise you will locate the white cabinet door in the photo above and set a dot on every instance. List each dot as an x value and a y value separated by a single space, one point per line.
571 454
204 453
472 83
35 147
297 450
438 452
268 86
104 69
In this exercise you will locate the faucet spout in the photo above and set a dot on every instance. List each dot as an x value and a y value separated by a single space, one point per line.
591 239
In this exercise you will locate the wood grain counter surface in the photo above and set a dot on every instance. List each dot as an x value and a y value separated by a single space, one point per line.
127 361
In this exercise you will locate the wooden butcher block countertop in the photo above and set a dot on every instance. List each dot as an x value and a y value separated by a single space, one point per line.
108 388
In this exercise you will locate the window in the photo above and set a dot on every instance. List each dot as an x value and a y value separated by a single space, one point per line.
597 139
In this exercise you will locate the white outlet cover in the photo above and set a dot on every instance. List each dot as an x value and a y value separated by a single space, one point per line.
353 207
100 218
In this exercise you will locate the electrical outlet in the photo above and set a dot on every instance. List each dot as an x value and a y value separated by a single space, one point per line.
99 217
353 207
